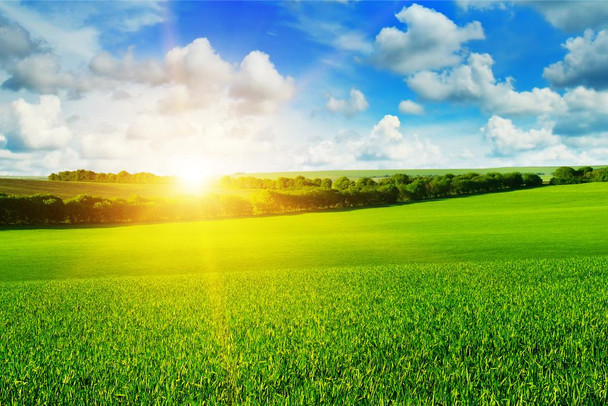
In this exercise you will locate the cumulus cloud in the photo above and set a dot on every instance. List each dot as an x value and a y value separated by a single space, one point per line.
480 4
128 68
356 103
475 82
197 76
197 65
41 73
585 64
78 42
431 41
259 87
573 16
384 146
569 16
387 129
40 126
507 139
15 42
410 107
586 113
31 64
41 55
386 142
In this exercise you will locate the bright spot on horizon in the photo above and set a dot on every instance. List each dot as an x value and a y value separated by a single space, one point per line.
194 175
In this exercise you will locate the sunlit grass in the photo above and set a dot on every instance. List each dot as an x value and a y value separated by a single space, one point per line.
530 331
496 298
558 221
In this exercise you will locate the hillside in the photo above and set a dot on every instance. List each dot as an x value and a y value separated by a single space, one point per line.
20 186
497 296
557 221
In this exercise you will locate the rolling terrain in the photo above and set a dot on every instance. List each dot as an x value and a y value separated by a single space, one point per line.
497 298
34 185
549 222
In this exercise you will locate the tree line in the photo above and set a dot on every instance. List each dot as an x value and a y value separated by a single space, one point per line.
272 197
407 187
82 175
565 175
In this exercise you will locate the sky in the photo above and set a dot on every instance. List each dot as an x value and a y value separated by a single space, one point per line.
214 88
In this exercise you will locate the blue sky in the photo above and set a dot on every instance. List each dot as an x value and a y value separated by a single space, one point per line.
222 87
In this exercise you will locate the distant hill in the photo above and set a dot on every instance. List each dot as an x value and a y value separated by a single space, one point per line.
543 171
28 186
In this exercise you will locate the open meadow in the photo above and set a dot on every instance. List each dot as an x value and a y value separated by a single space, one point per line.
494 298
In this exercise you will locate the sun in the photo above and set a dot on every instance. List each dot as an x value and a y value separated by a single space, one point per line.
194 176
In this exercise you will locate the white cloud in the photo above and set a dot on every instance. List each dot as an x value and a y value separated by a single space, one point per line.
79 42
353 41
586 113
42 73
387 143
572 16
585 64
356 103
507 139
133 16
197 65
318 22
475 82
259 87
431 41
481 4
15 42
128 68
196 76
389 129
385 146
410 107
41 126
583 99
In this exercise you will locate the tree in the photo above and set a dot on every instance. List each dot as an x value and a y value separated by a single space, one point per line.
531 180
513 180
365 183
342 183
417 190
326 183
564 175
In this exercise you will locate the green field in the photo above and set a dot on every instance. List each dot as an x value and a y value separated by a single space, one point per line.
498 298
25 187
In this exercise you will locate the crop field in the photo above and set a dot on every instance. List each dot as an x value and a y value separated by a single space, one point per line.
15 186
498 298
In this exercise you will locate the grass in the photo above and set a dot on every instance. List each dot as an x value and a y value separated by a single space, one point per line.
493 299
550 222
531 331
